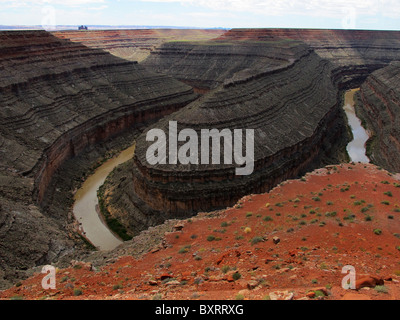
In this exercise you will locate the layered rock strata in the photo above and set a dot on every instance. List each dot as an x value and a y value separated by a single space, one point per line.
57 98
354 53
378 105
135 45
283 90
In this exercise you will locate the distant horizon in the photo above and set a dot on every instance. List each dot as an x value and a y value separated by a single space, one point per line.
382 15
148 27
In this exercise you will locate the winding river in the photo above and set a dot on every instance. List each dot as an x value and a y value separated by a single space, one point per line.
356 148
86 207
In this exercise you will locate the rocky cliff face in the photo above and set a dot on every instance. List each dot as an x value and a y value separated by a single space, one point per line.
56 98
282 90
354 54
378 105
134 45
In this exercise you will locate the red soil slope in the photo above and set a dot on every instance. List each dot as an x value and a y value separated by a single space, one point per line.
324 222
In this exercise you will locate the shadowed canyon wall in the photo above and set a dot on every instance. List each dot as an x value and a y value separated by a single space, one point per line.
378 105
281 89
233 63
57 98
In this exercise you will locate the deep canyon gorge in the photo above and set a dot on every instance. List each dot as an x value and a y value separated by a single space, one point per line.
69 100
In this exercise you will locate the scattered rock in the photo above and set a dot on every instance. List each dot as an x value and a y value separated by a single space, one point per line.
276 240
369 281
165 276
252 284
281 295
179 226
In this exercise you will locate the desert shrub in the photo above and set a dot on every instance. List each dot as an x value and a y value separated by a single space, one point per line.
225 269
210 238
236 276
77 292
256 240
268 218
381 289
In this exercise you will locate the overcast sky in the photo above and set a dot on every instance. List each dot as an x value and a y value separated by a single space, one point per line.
335 14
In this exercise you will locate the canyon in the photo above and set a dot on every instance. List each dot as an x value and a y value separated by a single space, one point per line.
70 99
378 105
57 98
247 67
135 45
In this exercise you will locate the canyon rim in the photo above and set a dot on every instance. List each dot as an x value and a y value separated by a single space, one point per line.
194 164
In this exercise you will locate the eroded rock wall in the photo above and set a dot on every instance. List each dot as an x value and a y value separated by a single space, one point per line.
378 105
57 98
291 102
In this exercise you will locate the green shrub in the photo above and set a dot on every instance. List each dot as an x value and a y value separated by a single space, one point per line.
117 287
77 292
381 289
236 276
225 269
210 238
378 231
256 240
368 218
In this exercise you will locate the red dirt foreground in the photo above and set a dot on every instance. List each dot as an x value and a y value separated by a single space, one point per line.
291 243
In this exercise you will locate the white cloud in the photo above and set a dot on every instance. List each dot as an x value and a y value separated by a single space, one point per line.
325 8
29 3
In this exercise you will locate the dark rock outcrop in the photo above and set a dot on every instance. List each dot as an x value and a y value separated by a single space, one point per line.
56 99
378 105
285 93
354 53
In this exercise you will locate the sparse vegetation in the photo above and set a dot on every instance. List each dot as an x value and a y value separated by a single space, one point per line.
210 238
256 240
381 289
236 276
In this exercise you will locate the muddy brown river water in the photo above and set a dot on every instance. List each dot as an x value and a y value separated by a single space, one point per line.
86 204
356 148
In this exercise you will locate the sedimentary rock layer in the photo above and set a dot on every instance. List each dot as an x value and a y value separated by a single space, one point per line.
281 89
134 45
354 53
206 65
378 105
56 98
